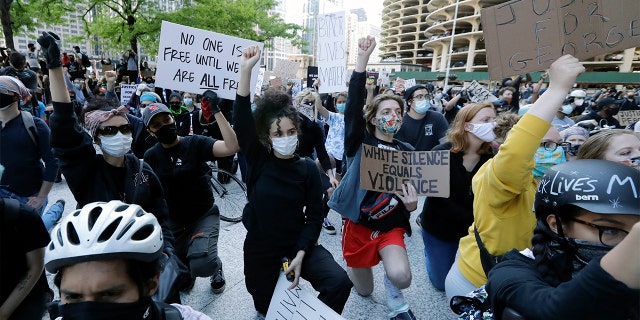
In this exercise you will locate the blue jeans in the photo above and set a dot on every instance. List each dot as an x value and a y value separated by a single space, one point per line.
439 256
49 218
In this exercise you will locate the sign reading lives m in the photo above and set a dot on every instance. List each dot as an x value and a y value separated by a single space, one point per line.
528 35
195 60
385 170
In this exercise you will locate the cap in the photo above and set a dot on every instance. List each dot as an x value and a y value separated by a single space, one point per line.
150 111
607 101
408 93
580 94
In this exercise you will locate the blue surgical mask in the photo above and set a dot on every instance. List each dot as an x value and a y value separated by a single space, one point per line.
567 109
421 106
438 96
546 159
188 101
340 107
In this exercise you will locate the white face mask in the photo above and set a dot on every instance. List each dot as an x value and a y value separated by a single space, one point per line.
578 102
285 146
117 145
421 106
484 131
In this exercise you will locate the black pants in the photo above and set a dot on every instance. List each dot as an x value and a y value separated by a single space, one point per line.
197 244
262 268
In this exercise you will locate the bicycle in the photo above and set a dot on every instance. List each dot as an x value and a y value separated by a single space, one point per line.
230 197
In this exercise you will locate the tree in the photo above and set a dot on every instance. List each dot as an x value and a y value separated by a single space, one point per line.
18 16
129 22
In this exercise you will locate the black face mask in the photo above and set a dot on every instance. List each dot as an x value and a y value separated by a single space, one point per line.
108 310
6 101
167 134
585 251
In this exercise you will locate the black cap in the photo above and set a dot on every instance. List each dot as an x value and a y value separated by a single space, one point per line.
608 101
408 94
151 110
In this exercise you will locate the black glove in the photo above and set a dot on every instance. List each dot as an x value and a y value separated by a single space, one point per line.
50 43
210 98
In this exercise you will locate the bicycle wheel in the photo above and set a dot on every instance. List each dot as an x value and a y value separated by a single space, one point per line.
230 197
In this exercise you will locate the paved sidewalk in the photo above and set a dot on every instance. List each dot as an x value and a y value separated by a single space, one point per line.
236 303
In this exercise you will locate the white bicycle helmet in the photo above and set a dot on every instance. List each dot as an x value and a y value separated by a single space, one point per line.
101 231
580 94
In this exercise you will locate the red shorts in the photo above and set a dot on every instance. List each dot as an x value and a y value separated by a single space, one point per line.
361 246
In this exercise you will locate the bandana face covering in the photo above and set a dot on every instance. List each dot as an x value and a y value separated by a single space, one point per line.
546 159
389 124
307 110
585 251
140 310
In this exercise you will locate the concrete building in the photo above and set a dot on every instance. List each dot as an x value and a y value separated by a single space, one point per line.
420 32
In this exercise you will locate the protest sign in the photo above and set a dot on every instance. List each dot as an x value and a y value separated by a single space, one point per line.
107 67
385 170
286 69
297 86
332 52
478 93
524 36
126 91
258 89
312 75
195 60
384 75
628 117
275 83
297 304
147 73
409 83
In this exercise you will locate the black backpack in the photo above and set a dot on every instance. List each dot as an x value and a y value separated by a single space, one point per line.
85 60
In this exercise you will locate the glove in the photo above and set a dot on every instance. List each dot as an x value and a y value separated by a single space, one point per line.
50 43
210 99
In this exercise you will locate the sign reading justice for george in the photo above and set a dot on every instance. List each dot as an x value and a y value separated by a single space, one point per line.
195 60
528 35
385 170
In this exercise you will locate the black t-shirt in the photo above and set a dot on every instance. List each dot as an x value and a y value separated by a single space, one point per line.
423 134
184 174
19 234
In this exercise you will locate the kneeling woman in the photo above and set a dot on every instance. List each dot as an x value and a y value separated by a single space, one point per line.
585 259
284 214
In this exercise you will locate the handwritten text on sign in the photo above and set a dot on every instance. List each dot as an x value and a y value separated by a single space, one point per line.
332 52
126 91
478 93
297 304
628 117
195 60
528 35
387 170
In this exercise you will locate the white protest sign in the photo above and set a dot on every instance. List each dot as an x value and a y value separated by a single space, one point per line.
297 86
126 91
286 69
409 83
258 89
332 52
195 60
384 75
297 304
478 93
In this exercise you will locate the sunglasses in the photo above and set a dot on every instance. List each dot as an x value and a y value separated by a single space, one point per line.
113 130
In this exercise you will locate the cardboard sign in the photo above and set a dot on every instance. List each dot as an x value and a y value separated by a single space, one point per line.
126 91
409 83
195 60
478 93
258 88
628 117
312 75
276 83
147 73
286 69
524 36
107 67
385 170
332 52
297 304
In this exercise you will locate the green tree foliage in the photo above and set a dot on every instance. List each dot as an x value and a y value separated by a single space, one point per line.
19 16
126 23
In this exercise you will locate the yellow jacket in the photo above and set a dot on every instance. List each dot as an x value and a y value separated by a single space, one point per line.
504 190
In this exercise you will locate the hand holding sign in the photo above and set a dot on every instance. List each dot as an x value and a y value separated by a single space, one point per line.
296 267
409 197
564 72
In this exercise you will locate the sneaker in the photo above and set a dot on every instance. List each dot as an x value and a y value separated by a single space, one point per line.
217 282
328 227
223 178
189 285
402 313
62 203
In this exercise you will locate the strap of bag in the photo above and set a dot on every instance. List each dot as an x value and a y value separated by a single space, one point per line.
30 125
487 260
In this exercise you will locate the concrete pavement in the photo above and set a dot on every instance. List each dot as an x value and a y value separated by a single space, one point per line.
236 303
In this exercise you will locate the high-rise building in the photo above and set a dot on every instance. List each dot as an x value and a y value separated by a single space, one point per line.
420 32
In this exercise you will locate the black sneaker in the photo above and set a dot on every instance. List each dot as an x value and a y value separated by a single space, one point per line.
217 282
328 227
189 285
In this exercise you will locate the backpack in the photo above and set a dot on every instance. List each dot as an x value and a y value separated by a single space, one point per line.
85 60
30 125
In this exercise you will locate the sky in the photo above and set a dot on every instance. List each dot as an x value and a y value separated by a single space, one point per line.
372 7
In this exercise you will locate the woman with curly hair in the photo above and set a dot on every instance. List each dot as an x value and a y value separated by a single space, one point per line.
284 216
445 220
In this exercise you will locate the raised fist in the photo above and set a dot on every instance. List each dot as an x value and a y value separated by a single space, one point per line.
50 45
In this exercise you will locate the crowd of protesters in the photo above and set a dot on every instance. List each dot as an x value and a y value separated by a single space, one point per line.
544 190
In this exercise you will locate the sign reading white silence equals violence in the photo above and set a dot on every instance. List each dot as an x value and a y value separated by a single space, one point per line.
194 60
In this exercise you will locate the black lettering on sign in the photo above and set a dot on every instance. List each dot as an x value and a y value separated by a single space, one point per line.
209 61
208 81
186 38
212 45
182 76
